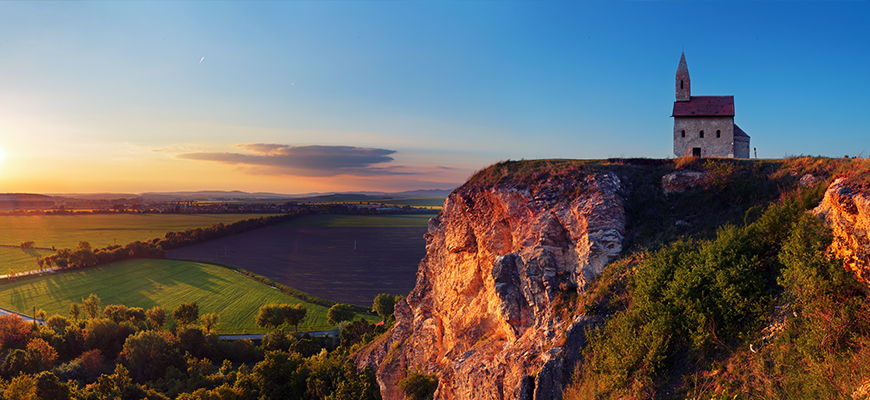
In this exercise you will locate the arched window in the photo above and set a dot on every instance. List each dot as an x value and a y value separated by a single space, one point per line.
681 83
718 133
702 133
684 133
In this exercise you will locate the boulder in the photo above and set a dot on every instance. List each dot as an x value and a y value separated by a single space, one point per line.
681 181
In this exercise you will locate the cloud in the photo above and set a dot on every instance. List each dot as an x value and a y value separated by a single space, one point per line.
280 159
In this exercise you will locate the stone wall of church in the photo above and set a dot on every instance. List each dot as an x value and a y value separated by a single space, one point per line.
741 147
687 136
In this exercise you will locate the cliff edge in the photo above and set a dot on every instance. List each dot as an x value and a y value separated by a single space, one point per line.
482 313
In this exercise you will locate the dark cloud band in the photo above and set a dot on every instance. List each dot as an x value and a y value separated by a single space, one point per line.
274 159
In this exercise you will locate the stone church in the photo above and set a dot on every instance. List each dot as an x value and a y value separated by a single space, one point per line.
704 125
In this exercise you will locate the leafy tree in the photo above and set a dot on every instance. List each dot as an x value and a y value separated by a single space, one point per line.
91 306
116 312
273 315
209 323
355 332
385 304
270 316
157 316
281 375
93 361
111 386
57 323
136 314
48 386
15 363
107 335
22 387
74 311
339 312
28 244
186 313
294 314
39 355
148 354
13 332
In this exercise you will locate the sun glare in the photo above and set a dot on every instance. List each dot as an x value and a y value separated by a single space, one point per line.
2 154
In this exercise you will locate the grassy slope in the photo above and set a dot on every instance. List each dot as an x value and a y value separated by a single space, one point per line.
99 230
167 283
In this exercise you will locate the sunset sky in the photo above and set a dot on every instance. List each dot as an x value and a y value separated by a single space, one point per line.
297 97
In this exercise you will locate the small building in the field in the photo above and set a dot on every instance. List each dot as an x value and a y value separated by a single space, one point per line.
704 125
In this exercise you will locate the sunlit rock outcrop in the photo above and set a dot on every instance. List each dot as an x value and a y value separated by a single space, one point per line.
846 209
481 316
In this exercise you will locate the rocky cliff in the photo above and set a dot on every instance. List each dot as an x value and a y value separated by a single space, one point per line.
846 209
482 315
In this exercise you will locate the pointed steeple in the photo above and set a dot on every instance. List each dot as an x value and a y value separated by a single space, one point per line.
684 91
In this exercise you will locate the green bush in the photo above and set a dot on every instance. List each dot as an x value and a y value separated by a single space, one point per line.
418 385
694 301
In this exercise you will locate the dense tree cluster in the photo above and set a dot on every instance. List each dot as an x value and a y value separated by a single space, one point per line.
129 353
85 256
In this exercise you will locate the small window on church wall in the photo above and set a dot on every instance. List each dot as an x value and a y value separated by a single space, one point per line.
702 133
718 133
684 133
681 83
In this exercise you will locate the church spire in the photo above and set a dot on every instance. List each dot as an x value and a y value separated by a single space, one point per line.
684 91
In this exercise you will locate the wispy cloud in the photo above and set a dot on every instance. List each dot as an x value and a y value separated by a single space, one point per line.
280 159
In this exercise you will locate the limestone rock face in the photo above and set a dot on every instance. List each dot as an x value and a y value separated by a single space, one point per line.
680 181
847 212
481 315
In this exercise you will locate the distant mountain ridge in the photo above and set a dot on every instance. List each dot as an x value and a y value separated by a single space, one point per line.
239 195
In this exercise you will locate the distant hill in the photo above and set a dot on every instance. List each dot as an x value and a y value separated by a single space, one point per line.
24 201
240 195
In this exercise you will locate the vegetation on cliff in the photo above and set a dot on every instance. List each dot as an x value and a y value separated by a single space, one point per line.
746 309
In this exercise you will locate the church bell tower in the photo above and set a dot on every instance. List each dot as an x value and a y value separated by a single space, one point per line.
684 91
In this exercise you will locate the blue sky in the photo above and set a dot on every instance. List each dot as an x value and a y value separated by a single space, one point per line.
299 96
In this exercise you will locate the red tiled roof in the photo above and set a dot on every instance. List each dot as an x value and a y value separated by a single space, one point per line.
739 132
705 106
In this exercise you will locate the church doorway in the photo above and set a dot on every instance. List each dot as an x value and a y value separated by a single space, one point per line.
696 152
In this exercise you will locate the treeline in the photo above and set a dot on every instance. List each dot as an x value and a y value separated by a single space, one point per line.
132 353
84 256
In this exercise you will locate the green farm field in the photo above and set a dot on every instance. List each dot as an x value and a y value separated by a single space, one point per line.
99 230
344 258
149 282
16 259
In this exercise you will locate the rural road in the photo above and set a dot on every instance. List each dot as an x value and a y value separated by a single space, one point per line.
32 272
4 311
